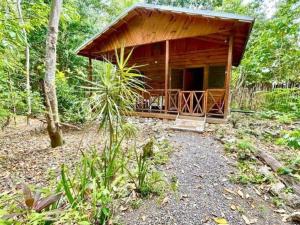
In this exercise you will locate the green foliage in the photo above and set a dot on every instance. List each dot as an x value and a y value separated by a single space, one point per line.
162 156
70 100
34 209
290 139
79 21
142 170
287 102
146 178
247 173
273 51
115 92
85 189
243 148
129 130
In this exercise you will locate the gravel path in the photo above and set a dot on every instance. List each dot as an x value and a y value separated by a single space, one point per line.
203 174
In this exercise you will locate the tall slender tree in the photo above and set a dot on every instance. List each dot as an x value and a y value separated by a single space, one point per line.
52 116
27 58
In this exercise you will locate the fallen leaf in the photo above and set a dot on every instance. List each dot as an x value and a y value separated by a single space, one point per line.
233 207
227 197
123 208
221 221
248 221
245 218
143 217
279 211
257 192
165 200
240 193
229 191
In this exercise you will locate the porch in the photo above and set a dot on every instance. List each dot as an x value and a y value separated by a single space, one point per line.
209 102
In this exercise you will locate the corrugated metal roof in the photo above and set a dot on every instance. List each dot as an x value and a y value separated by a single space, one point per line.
196 12
221 15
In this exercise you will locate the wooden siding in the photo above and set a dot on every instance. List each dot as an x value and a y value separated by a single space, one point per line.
184 53
143 26
155 27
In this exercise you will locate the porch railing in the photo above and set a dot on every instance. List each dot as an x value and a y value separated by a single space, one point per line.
215 101
192 103
196 103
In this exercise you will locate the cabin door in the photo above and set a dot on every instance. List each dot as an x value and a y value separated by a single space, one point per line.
192 96
193 79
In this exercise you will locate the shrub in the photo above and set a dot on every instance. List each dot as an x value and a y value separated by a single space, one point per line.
290 139
282 100
70 101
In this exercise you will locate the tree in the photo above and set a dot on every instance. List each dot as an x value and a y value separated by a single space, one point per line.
27 56
52 116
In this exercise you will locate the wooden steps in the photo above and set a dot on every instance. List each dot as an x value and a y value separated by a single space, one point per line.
189 123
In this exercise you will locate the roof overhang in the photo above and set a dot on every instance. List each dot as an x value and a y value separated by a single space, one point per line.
139 8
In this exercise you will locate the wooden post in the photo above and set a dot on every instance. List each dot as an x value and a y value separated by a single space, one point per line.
205 87
90 76
166 75
228 77
205 80
90 70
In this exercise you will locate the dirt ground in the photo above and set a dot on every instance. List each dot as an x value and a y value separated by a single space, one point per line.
199 163
26 155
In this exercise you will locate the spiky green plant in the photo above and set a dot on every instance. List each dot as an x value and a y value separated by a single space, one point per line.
113 94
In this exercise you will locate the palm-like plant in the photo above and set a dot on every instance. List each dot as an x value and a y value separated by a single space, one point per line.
116 92
113 95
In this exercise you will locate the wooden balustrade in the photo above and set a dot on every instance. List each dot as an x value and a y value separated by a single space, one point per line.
194 103
215 101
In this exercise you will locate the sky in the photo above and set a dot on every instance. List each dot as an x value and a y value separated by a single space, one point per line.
269 6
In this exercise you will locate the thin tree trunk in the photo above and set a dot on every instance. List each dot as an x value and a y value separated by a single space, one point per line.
27 58
12 99
53 126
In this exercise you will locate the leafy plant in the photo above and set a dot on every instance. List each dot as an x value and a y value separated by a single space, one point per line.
290 138
142 171
161 156
245 149
85 189
247 173
34 208
145 177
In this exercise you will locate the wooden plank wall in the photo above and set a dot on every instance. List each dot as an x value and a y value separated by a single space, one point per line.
144 27
184 53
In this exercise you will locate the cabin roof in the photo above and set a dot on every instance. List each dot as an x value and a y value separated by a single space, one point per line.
222 16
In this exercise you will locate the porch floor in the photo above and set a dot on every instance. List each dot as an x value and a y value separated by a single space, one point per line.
174 116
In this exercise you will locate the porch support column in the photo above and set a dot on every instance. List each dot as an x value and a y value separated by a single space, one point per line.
228 77
167 59
90 70
90 75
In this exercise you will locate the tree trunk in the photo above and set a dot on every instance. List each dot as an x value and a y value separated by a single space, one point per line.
53 126
27 57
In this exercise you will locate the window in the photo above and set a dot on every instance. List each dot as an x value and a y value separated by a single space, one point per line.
176 79
216 77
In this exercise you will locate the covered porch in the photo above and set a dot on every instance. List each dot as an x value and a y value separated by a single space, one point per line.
209 102
188 76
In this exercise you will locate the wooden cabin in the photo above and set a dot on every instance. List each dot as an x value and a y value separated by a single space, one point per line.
188 55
